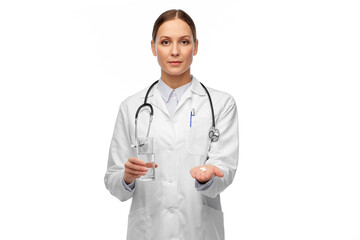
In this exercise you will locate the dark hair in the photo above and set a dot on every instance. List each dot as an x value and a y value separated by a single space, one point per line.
170 15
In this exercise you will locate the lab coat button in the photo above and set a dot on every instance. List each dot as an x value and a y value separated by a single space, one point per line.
172 210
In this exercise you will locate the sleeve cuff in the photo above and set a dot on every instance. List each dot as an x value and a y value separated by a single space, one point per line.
203 186
130 187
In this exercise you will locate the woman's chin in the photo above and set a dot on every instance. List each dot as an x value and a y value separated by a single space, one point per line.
177 72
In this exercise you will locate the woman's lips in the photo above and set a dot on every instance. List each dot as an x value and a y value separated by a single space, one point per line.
175 63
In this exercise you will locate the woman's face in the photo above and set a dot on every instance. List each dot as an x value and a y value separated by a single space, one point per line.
174 47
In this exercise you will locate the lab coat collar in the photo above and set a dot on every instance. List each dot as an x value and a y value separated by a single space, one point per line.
156 99
166 91
195 87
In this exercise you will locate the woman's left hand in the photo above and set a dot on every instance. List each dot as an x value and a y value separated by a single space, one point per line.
205 172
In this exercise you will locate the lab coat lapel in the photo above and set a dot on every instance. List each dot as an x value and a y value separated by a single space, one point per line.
194 88
156 100
187 94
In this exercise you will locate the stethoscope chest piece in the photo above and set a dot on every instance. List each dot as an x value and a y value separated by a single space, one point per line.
214 134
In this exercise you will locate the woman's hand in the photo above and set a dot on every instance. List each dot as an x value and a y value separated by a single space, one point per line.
135 168
205 172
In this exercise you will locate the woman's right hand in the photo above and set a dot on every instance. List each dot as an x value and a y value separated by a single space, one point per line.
134 168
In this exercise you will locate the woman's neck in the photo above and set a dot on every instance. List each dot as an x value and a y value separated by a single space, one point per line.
175 81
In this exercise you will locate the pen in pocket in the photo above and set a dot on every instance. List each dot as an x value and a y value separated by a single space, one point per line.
192 114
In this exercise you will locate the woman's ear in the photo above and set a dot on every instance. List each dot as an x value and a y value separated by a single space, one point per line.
196 47
153 48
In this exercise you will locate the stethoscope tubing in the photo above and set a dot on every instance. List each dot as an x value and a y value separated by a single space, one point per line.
213 130
211 105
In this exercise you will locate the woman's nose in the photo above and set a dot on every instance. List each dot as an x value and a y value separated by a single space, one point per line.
175 50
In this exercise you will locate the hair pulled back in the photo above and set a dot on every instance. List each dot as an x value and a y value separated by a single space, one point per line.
170 15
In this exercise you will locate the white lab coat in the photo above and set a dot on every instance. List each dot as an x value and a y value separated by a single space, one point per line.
170 207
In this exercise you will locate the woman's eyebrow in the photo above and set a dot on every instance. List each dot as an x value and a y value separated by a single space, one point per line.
179 37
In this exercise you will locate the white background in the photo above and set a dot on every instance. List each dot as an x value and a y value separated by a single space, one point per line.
292 66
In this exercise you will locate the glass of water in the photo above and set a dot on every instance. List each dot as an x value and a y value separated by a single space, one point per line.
145 152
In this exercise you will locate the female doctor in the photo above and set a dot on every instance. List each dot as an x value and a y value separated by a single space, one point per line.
183 202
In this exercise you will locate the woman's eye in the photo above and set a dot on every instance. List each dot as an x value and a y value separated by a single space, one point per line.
185 42
165 42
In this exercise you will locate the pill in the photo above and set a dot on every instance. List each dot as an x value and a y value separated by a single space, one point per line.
203 169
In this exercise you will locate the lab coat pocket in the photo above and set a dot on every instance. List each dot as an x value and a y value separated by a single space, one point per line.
138 224
213 220
197 137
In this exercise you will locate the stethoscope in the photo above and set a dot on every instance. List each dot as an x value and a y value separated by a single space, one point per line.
214 133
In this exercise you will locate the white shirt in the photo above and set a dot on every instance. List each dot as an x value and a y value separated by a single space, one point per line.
172 96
